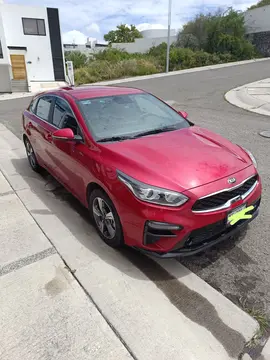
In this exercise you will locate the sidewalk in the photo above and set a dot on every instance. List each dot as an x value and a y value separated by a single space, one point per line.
111 305
44 313
254 97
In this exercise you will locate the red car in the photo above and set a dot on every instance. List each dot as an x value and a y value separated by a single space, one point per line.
151 178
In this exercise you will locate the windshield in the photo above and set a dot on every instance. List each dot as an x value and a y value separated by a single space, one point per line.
120 117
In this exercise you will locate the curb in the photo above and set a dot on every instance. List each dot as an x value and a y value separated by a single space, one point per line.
242 98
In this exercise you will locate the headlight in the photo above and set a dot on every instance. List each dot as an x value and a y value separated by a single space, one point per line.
251 157
151 193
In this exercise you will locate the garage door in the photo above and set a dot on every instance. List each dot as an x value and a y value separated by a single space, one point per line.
18 67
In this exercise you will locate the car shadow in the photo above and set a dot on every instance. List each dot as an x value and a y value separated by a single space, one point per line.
76 218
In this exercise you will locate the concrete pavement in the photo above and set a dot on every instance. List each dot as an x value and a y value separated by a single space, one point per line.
44 312
253 97
145 309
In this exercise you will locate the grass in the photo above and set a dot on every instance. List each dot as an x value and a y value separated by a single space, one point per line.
262 319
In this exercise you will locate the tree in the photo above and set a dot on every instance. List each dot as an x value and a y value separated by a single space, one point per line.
196 28
188 41
220 32
260 4
123 34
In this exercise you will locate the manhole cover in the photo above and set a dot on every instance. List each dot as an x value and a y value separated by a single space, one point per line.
265 133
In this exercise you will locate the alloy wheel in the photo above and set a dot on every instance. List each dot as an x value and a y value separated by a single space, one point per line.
104 218
30 154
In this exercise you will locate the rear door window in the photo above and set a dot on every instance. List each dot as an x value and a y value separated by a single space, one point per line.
43 109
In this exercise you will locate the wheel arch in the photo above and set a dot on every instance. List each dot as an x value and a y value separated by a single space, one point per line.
91 187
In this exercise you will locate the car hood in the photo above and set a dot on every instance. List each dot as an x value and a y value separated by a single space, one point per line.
181 159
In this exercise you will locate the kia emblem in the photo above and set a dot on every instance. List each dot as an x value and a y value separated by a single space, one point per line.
231 180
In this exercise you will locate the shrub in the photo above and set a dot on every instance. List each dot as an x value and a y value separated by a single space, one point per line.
104 70
78 58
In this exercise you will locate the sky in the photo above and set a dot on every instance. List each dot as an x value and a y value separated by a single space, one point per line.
94 18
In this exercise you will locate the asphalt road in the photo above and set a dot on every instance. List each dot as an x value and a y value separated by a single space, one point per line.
238 268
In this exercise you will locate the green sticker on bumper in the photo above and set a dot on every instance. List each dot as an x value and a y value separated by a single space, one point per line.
240 215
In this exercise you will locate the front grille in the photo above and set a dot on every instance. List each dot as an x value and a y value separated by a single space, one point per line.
218 200
201 235
213 231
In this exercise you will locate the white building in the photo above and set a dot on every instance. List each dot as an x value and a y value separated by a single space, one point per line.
90 47
31 48
151 37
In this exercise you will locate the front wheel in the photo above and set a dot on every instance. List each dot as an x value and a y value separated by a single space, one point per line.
31 156
106 219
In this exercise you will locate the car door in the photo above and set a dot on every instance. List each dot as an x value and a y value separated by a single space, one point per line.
45 129
30 125
69 156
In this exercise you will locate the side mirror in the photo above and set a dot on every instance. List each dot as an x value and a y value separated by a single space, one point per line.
183 114
63 135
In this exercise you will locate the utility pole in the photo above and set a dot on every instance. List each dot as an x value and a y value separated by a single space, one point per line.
169 35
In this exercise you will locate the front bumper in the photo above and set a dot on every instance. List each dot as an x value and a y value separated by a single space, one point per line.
208 227
205 237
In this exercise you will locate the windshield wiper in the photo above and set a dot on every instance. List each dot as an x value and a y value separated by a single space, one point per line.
115 138
155 131
145 133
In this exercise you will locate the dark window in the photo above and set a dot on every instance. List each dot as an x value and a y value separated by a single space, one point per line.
33 26
61 108
44 107
1 51
69 122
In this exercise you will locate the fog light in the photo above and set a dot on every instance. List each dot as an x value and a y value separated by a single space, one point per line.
154 231
163 226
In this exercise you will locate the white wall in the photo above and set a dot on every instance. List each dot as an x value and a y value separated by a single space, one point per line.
5 59
258 20
142 45
157 33
5 68
38 47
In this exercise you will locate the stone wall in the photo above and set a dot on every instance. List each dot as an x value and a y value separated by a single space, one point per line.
261 40
257 24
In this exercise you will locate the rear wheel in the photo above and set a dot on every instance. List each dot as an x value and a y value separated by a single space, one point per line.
106 219
31 156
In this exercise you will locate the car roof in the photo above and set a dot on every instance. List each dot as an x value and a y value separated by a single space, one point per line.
92 91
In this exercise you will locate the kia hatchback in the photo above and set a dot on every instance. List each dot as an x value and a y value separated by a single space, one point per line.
150 178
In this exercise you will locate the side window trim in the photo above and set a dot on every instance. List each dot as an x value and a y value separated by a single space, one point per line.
71 112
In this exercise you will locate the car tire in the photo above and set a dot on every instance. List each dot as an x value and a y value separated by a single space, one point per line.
31 156
106 218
